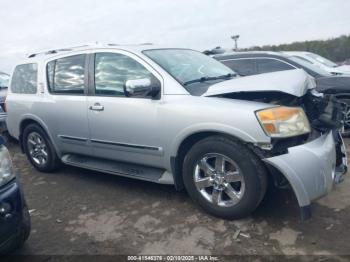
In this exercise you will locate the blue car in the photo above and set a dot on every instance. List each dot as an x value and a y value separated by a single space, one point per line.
14 215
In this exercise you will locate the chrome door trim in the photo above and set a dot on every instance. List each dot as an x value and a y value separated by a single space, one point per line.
73 138
151 148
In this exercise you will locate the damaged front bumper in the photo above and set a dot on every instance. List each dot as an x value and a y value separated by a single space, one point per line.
312 168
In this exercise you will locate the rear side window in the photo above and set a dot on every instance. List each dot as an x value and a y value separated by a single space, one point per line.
67 75
24 79
272 65
244 67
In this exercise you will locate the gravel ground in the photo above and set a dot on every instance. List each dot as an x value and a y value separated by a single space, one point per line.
76 211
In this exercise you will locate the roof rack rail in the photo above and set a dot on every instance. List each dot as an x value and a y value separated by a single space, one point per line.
65 49
113 44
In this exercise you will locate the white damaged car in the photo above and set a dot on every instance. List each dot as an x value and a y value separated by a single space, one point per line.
176 116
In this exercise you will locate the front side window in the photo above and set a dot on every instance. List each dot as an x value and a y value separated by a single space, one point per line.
244 67
24 79
113 70
67 75
272 65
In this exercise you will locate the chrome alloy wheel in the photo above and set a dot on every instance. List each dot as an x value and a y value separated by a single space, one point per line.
37 148
219 180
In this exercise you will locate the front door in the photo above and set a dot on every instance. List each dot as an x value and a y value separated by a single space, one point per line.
122 128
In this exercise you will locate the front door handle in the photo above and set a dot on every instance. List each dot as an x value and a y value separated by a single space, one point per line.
97 107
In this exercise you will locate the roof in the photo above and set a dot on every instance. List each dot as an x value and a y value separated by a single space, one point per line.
47 54
292 53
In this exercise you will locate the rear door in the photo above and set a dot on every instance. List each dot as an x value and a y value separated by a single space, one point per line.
65 111
123 128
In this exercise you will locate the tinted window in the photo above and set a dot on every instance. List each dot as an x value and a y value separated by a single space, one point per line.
113 70
271 65
243 67
66 75
24 79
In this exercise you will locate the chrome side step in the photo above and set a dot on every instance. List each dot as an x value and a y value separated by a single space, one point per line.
152 174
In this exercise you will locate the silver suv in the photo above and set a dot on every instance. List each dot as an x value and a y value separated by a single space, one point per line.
176 116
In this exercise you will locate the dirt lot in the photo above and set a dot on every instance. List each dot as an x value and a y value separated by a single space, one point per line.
75 211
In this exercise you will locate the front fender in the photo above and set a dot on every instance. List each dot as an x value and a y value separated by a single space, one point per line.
212 127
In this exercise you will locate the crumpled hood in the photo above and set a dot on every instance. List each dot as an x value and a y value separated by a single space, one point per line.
294 82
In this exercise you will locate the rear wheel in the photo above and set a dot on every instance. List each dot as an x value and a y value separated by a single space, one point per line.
39 149
224 177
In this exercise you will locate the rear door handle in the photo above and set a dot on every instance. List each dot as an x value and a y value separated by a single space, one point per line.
97 107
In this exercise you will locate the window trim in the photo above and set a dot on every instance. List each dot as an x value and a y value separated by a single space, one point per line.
91 82
86 83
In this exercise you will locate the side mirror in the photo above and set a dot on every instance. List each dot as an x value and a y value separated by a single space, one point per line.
144 87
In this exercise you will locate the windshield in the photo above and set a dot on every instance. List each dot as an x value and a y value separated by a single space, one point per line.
189 66
311 67
4 80
322 60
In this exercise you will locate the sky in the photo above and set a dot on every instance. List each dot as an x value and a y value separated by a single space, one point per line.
29 26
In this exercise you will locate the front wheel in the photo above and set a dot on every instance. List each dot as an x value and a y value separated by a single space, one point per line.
224 177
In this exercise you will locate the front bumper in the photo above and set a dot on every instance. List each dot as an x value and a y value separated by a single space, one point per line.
312 168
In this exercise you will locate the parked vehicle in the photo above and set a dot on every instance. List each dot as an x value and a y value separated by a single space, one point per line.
252 63
321 62
14 215
4 82
177 116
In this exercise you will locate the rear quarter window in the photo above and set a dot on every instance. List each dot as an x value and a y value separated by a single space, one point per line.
24 79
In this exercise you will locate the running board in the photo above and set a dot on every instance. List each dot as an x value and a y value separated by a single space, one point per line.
141 172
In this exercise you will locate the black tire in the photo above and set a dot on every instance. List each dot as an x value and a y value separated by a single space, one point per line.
26 224
252 168
53 162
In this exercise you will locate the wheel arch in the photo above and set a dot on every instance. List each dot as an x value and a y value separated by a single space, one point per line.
184 146
33 120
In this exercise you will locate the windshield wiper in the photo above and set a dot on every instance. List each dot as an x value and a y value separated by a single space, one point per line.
209 78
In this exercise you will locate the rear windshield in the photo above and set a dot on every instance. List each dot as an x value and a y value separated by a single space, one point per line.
24 79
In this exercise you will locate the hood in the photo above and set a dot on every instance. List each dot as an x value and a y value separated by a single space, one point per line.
294 82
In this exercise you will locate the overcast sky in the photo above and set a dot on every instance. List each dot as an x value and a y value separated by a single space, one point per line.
27 26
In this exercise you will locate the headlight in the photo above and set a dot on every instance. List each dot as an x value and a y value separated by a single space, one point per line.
283 121
6 169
